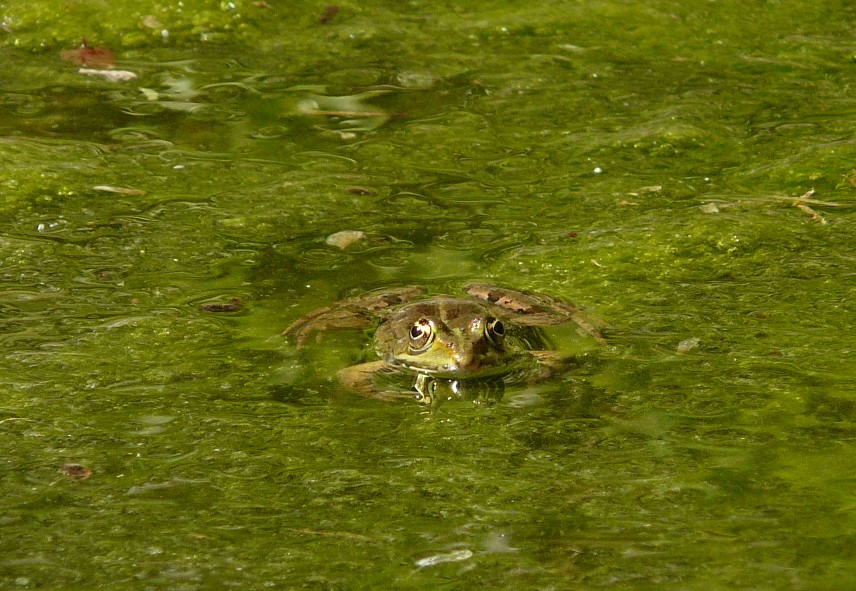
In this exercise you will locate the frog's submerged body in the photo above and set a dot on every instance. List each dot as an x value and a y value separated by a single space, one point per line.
443 339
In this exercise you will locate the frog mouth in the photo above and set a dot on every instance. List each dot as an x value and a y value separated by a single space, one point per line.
475 369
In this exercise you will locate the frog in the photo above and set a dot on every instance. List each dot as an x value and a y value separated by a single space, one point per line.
445 341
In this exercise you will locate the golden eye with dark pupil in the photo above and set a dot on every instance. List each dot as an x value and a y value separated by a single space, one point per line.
421 336
495 329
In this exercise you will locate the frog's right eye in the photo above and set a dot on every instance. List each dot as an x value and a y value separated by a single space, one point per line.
421 336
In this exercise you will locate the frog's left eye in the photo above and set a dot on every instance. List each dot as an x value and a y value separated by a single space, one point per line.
495 329
421 336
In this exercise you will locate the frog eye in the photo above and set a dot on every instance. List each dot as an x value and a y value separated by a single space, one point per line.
421 336
495 329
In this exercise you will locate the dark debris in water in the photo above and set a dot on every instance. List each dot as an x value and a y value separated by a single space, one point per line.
328 14
76 471
89 55
363 191
232 305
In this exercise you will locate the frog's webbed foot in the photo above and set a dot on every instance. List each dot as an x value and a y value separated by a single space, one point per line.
356 312
530 309
361 379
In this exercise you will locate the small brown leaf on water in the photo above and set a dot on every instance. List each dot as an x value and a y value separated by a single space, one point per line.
361 191
232 305
88 55
76 471
328 14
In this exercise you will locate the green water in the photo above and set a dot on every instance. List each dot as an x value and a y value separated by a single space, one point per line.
641 159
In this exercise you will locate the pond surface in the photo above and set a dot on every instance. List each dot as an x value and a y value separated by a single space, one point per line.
686 171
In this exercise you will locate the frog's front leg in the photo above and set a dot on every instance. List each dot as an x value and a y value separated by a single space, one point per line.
361 379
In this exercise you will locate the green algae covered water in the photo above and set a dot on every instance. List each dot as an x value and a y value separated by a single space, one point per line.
686 171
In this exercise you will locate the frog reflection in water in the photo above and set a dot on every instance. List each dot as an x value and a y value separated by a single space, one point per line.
444 340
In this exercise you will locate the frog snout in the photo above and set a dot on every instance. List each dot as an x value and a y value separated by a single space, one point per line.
465 359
